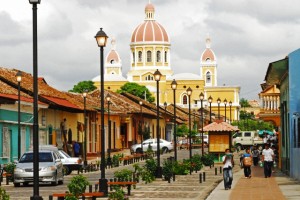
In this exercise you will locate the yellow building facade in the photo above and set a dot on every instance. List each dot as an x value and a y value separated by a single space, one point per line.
150 50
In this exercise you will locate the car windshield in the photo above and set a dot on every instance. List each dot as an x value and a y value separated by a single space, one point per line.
64 154
43 157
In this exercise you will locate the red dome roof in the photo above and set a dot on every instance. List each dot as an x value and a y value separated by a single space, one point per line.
208 54
149 7
112 57
150 31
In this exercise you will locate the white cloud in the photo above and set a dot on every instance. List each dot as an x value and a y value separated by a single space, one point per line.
246 36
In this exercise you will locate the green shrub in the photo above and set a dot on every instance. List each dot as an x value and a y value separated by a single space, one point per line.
196 162
207 159
10 168
3 195
118 194
124 174
182 168
78 185
147 176
167 169
151 165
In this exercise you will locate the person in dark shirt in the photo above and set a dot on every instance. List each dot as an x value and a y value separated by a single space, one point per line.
76 149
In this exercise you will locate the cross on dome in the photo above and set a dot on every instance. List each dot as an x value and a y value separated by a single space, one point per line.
207 41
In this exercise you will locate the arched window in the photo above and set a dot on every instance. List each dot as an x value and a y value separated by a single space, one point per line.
149 78
208 77
149 56
140 56
158 56
112 61
207 60
184 99
133 56
166 58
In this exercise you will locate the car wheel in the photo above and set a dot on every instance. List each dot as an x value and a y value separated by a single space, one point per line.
66 170
139 150
17 184
25 184
165 150
61 182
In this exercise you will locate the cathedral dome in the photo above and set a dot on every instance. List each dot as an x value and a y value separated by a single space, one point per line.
150 30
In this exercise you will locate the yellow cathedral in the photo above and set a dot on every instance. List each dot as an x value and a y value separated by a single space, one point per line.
150 50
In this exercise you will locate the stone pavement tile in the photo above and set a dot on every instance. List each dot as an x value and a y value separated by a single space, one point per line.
257 187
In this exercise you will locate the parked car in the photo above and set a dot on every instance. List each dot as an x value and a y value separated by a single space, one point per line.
70 163
50 168
205 138
164 145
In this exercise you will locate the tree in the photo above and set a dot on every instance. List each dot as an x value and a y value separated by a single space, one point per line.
83 85
244 103
137 90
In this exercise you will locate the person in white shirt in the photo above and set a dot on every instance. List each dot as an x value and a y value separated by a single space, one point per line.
268 158
227 169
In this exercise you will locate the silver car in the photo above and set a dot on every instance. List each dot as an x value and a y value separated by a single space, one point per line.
50 168
164 145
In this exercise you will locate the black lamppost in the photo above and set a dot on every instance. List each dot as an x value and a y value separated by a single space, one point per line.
189 93
165 106
108 98
85 124
202 120
157 76
101 39
141 122
19 79
225 103
218 101
174 86
35 141
230 104
210 99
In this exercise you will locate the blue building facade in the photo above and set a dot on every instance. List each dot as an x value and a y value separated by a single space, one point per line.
285 74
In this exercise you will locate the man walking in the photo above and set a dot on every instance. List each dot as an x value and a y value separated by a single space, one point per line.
227 169
267 158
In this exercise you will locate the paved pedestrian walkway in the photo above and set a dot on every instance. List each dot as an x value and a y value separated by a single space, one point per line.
278 187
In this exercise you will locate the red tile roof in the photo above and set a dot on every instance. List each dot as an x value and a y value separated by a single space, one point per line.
60 102
219 126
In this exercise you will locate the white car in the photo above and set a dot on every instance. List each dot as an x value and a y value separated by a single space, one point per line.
164 145
69 163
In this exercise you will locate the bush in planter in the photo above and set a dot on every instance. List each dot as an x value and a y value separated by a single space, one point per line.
124 174
167 169
10 168
78 185
118 194
196 162
151 165
207 159
182 168
3 195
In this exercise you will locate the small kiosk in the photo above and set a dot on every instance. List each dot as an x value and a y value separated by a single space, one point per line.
220 134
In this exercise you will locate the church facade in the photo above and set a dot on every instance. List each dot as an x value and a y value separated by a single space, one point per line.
150 50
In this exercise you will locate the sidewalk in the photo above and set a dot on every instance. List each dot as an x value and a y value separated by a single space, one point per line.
278 187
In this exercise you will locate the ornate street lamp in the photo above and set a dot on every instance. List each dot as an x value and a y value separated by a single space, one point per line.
101 39
165 106
230 104
189 93
108 98
202 120
19 79
141 122
225 103
84 94
35 139
174 86
210 99
218 101
157 76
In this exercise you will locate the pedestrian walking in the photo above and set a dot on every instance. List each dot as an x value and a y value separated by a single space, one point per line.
247 162
255 155
227 169
268 158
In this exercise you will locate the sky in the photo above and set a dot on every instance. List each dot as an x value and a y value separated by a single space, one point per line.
246 35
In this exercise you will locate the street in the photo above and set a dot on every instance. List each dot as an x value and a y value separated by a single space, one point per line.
24 192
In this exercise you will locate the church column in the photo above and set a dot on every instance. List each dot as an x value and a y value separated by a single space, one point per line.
144 56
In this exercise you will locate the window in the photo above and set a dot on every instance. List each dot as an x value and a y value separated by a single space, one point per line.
149 78
149 56
140 56
158 56
207 59
133 56
208 77
184 99
112 61
166 58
